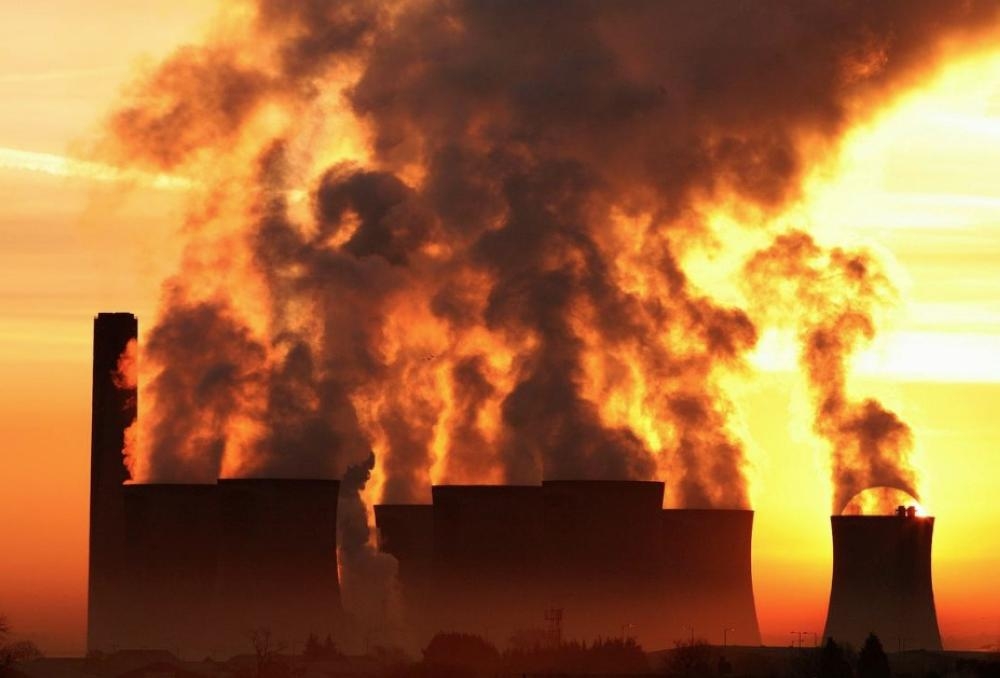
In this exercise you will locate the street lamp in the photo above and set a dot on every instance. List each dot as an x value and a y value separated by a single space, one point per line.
725 633
800 634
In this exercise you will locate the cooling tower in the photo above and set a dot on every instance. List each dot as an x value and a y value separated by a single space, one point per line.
604 552
406 532
601 556
882 581
706 577
487 540
277 559
113 410
171 545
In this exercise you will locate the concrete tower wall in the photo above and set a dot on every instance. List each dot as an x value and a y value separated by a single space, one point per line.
602 529
112 411
706 576
604 552
882 582
171 544
486 545
277 559
601 555
406 532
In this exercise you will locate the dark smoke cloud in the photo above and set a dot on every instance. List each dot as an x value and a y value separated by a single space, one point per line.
510 259
212 367
201 97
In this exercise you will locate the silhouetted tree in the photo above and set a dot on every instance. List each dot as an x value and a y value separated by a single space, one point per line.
872 662
14 652
463 653
833 662
603 657
330 649
617 655
312 649
265 651
690 659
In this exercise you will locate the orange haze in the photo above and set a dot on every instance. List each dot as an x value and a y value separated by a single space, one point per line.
918 184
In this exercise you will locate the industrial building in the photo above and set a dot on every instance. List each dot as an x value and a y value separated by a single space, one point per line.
606 554
195 568
882 581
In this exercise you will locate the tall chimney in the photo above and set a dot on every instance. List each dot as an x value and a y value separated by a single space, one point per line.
882 581
113 409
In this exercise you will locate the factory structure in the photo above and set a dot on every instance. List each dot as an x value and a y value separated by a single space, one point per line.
603 555
882 581
194 568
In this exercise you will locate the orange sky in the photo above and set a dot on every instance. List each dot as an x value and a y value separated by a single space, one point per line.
919 184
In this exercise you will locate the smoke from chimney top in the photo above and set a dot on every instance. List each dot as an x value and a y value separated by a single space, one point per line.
452 234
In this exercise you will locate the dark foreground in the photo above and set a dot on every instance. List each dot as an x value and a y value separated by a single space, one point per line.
460 658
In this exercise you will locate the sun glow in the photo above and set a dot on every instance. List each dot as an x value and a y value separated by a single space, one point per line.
917 184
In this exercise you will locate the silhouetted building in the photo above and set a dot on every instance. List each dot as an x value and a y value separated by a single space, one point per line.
882 581
406 532
603 552
171 542
602 556
207 564
113 410
486 545
277 561
707 574
193 568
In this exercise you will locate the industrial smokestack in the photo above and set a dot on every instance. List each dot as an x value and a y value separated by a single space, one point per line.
113 410
882 581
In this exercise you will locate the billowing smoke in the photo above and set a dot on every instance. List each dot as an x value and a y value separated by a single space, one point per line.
832 297
453 234
366 574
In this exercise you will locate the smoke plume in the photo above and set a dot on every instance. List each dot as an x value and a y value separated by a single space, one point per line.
832 297
453 234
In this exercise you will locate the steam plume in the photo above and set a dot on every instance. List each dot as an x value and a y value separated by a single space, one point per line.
832 296
488 281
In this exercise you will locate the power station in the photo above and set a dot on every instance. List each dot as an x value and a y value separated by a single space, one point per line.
882 581
493 558
193 568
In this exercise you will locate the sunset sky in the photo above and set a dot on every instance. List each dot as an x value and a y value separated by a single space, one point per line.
918 184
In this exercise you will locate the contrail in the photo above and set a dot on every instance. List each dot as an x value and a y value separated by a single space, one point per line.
66 74
64 166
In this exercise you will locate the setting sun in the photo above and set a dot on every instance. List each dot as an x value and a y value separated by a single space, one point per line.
747 253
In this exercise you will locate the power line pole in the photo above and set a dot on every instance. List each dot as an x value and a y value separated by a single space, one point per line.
799 634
